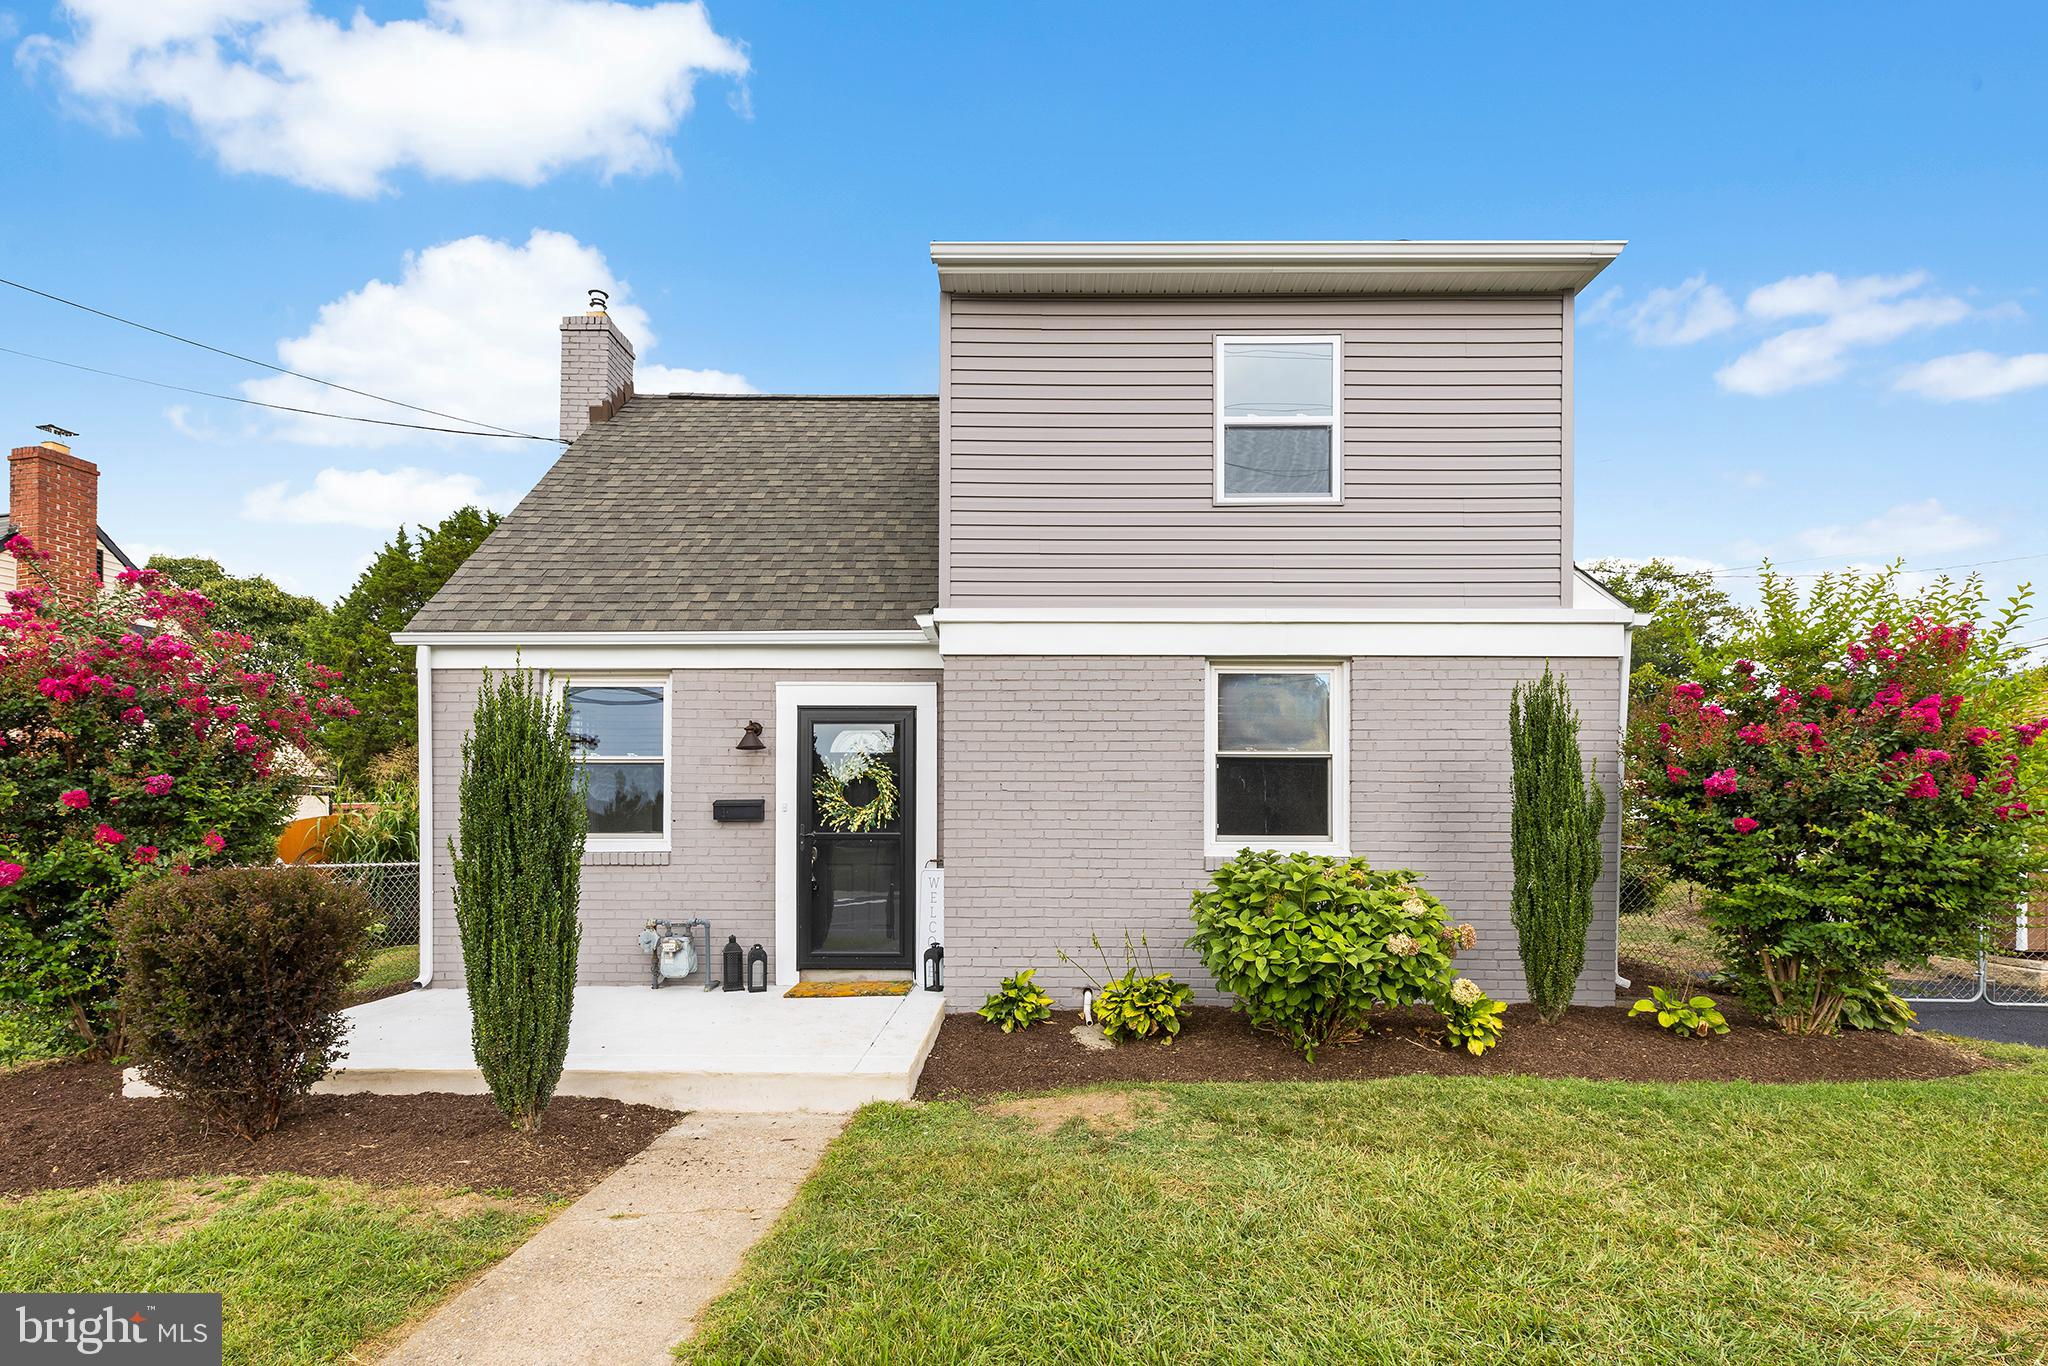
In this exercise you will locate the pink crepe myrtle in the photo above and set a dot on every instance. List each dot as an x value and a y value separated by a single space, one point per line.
1745 824
10 873
1923 786
106 834
156 784
1756 733
1675 774
1721 784
146 853
213 842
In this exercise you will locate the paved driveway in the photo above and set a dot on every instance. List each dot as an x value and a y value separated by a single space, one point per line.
1977 1020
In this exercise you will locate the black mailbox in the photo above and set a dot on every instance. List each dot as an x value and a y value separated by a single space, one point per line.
739 809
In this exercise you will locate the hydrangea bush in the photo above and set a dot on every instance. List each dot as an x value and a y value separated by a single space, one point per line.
1845 812
1310 945
135 740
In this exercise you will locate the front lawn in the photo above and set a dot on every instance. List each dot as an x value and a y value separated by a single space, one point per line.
1421 1219
309 1269
385 969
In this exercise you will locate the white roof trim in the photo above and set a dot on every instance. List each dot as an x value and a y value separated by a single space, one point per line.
1314 616
1268 267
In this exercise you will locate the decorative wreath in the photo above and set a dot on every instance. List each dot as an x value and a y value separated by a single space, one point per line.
836 812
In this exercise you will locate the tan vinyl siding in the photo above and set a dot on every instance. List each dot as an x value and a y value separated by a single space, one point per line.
1079 437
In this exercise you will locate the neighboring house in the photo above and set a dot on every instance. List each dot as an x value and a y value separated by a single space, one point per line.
54 500
1199 546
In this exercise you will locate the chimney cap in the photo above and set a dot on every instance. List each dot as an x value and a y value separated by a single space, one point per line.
54 430
598 301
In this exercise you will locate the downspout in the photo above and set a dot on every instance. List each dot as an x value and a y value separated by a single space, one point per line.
1628 650
424 662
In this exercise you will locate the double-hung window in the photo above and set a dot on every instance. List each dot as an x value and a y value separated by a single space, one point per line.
1279 425
1278 758
620 730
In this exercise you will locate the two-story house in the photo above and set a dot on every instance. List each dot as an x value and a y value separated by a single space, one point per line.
1199 546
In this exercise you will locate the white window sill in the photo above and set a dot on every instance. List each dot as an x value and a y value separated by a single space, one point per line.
625 846
1318 501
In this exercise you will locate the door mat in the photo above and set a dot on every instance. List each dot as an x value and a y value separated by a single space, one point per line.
849 989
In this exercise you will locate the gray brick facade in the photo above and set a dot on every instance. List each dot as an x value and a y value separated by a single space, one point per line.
1075 806
723 873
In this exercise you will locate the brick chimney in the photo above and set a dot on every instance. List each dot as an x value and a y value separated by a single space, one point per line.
54 500
597 368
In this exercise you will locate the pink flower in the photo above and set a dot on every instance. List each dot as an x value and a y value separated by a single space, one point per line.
1758 734
145 853
107 834
1721 784
2006 813
1744 666
135 716
1663 732
1857 654
1689 692
77 799
1968 783
213 842
1823 692
156 784
1744 825
2030 731
1881 632
1675 773
1923 786
1980 735
1889 696
10 873
1712 709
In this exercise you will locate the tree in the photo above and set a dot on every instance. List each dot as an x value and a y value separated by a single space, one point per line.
280 623
1554 837
134 739
518 867
1694 619
355 639
1853 792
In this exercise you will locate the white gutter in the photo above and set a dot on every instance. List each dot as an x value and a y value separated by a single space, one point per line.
1303 616
423 659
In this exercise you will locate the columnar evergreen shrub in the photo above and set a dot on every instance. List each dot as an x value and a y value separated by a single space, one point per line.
1846 813
232 985
518 864
1554 834
1309 945
135 736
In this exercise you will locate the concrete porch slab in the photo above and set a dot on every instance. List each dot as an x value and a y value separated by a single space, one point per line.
680 1047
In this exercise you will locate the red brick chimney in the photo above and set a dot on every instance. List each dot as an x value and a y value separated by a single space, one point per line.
54 500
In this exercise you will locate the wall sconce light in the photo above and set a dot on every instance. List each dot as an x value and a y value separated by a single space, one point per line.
750 737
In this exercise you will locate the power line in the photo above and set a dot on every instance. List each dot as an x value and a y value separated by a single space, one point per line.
1931 569
251 360
280 407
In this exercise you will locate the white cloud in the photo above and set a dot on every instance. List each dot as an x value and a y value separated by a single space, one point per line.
1681 314
180 417
1860 312
372 498
1974 374
1923 528
470 327
512 90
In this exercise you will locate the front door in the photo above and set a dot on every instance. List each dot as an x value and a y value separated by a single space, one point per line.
856 808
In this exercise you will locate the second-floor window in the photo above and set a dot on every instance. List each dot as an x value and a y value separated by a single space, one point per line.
619 728
1279 436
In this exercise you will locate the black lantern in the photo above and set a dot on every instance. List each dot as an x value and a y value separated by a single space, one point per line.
757 969
735 964
750 737
934 968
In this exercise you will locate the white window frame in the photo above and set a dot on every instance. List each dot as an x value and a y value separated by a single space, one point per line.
1335 421
1338 841
614 843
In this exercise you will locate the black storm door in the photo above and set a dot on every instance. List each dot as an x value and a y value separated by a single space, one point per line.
856 808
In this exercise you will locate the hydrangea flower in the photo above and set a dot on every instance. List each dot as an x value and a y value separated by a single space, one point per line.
1466 992
1403 945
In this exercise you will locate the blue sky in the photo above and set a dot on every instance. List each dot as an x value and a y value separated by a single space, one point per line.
1825 342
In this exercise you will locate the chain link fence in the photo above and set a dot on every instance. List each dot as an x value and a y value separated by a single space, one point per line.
394 889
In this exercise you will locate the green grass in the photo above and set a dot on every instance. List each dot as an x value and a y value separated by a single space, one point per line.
31 1036
1425 1219
309 1269
389 967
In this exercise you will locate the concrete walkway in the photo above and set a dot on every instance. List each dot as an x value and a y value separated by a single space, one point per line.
620 1276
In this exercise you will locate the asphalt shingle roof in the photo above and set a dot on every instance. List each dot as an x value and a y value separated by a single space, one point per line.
711 513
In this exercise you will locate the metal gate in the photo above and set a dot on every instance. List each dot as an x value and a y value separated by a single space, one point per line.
2010 969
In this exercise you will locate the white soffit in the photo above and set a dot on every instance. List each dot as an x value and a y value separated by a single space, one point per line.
1269 267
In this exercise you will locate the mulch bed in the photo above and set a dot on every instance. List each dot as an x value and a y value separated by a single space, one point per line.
974 1058
65 1124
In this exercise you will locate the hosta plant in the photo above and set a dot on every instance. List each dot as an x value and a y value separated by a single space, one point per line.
1681 1014
1136 1004
1309 945
1473 1020
1018 1003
